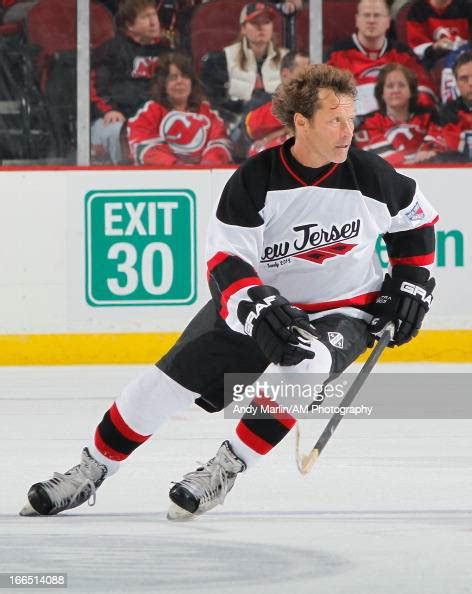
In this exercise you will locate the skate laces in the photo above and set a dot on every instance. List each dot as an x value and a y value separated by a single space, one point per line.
65 489
209 482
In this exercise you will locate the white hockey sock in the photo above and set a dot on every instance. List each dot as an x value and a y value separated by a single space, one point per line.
143 406
249 456
112 465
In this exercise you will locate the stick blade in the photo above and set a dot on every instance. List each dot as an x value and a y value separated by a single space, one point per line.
308 461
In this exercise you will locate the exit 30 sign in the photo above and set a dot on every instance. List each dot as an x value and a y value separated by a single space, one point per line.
140 247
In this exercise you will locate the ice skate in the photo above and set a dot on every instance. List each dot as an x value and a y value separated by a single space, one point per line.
68 490
206 487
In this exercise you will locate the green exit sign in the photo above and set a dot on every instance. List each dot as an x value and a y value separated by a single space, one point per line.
140 247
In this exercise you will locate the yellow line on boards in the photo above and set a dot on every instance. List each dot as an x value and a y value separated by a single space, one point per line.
441 346
84 349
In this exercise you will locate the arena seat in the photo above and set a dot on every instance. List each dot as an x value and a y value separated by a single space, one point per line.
51 30
339 21
400 21
51 27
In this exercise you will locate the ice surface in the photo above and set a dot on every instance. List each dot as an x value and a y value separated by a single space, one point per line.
387 508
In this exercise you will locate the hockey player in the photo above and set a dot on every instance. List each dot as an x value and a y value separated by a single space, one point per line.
291 246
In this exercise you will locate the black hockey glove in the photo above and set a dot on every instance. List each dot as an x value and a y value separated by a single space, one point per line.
404 299
270 319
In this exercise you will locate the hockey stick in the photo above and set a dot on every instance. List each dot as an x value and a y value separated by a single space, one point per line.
306 462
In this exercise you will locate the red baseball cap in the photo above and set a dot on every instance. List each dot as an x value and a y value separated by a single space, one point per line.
254 9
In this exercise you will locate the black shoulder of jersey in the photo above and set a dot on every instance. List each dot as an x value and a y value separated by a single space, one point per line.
378 180
449 113
214 59
245 192
400 47
342 46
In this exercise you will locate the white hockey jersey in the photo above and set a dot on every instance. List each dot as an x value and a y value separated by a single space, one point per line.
312 233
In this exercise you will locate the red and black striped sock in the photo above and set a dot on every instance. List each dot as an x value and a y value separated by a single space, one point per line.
258 433
114 438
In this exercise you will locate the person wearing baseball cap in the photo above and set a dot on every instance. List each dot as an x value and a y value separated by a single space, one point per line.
246 72
252 10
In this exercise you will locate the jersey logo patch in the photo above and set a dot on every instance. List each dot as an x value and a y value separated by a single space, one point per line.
185 132
144 67
336 339
416 213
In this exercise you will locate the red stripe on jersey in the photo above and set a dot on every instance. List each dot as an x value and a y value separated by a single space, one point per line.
234 288
364 299
106 450
123 428
299 179
253 441
217 259
284 418
423 260
430 224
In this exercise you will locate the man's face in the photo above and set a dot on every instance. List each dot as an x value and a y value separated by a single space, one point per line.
372 19
145 27
464 81
327 135
298 66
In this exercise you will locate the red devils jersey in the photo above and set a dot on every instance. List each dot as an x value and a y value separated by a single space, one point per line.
159 136
311 233
265 129
350 55
426 24
396 142
261 121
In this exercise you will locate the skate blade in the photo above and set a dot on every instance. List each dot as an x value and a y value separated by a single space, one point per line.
176 513
27 510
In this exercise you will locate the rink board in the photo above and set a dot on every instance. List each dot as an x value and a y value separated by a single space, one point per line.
107 266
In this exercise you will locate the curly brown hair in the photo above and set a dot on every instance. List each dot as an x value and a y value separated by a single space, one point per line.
411 80
301 94
184 64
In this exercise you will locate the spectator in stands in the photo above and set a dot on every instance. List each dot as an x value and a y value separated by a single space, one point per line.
449 90
456 116
366 52
178 127
261 125
435 27
122 69
247 70
398 130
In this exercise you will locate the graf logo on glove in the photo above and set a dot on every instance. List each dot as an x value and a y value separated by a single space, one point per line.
412 289
253 315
